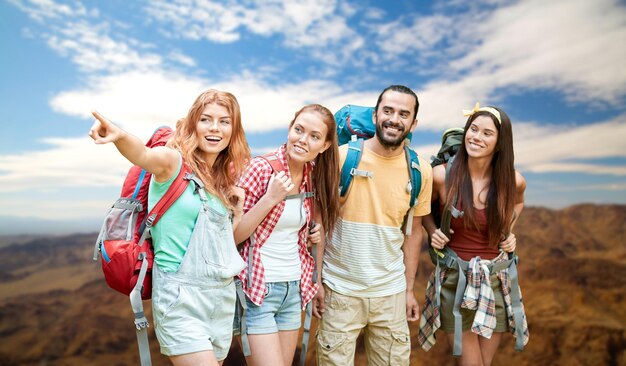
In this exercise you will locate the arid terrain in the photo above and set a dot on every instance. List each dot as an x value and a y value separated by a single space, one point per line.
55 308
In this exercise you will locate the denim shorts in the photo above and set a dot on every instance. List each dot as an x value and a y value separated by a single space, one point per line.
281 309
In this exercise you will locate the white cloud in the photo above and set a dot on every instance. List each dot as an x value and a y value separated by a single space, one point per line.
73 162
564 167
592 187
52 208
95 45
139 101
41 10
395 39
142 101
563 45
313 25
571 47
182 58
92 49
546 151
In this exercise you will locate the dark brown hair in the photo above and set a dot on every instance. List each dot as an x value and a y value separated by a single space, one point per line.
326 171
501 194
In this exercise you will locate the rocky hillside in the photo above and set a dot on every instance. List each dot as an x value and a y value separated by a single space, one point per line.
55 308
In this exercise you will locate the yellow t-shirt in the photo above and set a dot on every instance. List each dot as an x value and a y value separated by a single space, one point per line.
365 257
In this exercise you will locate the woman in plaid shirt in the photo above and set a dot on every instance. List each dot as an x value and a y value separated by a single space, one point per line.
485 186
277 223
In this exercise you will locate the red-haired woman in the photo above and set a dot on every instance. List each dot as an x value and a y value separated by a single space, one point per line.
193 295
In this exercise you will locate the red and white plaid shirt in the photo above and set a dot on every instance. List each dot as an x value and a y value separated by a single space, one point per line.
254 182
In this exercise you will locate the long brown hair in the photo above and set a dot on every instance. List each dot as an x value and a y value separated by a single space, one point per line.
230 162
501 194
326 171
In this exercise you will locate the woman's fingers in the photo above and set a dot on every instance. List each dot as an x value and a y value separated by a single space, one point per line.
316 228
285 181
439 240
103 131
105 122
509 243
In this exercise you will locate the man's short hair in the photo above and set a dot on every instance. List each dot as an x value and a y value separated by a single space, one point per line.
399 89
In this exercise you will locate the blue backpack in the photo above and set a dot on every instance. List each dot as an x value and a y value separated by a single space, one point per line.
354 125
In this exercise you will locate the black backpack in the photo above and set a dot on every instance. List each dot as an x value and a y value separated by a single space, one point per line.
451 140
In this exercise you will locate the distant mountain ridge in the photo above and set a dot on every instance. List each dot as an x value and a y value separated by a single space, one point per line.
55 308
10 225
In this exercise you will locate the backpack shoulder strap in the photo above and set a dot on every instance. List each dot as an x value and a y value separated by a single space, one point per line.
415 172
173 192
277 166
274 161
349 167
447 214
415 184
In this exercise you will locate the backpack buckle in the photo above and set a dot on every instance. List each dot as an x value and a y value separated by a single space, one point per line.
361 173
150 220
456 213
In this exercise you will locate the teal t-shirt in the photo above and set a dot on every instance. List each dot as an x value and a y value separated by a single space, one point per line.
171 235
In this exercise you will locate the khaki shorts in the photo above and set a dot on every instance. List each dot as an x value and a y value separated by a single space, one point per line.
383 320
448 289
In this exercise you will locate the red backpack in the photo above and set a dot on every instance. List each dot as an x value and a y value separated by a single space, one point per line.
124 245
123 242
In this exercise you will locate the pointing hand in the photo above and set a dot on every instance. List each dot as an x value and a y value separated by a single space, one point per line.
104 131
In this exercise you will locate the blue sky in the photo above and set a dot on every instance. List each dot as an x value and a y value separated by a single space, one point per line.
556 67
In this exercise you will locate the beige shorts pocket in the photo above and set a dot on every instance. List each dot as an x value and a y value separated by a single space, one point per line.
332 348
400 350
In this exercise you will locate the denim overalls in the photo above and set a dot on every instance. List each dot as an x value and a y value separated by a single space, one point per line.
193 308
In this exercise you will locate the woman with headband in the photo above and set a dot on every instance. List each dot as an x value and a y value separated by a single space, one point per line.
483 195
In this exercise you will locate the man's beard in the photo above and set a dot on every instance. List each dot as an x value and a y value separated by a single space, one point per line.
388 142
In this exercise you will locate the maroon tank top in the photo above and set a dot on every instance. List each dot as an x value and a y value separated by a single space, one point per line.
469 242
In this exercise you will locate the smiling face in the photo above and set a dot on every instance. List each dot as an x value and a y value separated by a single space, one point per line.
394 118
481 137
307 137
214 130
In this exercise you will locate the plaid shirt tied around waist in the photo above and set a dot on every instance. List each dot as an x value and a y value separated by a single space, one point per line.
478 296
254 182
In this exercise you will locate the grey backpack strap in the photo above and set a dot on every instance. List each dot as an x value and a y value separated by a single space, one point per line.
250 260
241 297
516 304
141 322
308 312
457 348
300 196
306 333
241 300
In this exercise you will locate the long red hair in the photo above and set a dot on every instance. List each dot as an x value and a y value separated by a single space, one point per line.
230 162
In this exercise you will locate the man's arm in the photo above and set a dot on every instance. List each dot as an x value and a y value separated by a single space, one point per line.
411 248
